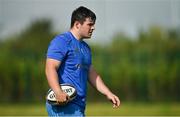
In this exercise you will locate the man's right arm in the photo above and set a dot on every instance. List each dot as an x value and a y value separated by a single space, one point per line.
51 68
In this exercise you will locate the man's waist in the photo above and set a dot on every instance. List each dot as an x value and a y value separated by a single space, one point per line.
80 100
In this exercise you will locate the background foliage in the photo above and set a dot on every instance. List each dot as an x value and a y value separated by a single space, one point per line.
142 69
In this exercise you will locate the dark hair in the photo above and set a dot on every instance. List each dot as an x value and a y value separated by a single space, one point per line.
80 14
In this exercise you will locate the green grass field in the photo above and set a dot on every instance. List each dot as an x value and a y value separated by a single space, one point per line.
98 109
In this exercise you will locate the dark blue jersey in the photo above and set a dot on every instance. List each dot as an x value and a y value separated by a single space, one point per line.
75 57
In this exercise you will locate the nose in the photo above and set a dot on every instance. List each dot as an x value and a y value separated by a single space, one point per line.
93 27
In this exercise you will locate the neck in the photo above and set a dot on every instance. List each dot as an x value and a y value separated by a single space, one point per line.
76 34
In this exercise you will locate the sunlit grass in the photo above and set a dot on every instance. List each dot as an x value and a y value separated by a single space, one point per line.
22 109
129 109
98 109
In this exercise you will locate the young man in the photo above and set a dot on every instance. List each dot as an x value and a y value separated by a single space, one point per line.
69 61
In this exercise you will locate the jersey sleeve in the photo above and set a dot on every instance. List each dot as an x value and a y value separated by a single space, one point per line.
57 49
90 55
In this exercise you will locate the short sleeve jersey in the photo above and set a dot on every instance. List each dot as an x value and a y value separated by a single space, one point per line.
75 57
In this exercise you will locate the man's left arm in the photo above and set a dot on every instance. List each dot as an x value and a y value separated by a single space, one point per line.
96 81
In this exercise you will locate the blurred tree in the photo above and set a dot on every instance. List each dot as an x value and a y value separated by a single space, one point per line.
142 69
24 54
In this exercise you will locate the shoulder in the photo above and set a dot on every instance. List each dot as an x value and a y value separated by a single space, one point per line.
61 39
86 45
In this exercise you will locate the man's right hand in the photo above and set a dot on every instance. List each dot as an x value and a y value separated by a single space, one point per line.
62 98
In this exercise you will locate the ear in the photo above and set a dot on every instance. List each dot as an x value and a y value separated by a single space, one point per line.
77 24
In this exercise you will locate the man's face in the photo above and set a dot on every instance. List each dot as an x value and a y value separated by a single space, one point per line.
86 29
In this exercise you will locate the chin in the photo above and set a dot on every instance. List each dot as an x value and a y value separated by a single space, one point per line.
87 37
